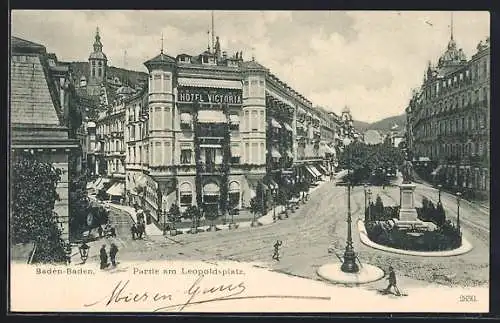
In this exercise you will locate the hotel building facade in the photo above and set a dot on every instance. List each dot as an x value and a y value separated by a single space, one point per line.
208 128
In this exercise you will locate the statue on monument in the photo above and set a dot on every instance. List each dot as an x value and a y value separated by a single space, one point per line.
407 171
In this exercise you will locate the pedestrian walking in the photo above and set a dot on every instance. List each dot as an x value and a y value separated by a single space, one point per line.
104 257
99 230
112 232
392 282
113 250
133 231
141 228
276 254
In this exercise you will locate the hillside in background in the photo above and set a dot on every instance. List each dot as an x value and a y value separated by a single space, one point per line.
387 123
360 125
382 125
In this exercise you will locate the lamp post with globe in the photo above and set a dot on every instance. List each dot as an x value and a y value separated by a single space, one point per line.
349 264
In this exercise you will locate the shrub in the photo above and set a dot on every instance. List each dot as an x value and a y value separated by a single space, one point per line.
33 189
445 238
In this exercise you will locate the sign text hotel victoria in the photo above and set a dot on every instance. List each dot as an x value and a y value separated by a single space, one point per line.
209 96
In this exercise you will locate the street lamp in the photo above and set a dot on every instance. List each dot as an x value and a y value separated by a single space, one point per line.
274 192
164 213
458 210
369 204
439 193
349 265
84 252
365 187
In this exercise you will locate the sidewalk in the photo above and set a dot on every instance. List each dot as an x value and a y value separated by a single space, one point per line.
151 229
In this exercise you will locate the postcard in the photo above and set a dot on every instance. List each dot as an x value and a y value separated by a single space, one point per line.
249 161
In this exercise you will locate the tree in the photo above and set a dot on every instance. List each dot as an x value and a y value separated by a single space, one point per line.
193 213
174 213
33 188
79 205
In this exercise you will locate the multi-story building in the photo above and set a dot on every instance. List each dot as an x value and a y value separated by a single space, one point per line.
44 117
210 127
448 119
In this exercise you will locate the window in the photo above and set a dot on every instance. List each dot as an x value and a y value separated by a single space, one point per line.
166 82
186 155
156 83
262 121
205 59
254 121
186 194
157 153
93 63
262 153
247 153
235 154
255 153
247 120
100 72
168 153
157 118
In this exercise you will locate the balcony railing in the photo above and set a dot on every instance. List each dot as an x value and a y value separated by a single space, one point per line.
210 168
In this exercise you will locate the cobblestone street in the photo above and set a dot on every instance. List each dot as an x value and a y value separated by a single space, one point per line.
312 230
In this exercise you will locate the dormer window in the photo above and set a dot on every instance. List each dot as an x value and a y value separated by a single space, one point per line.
204 59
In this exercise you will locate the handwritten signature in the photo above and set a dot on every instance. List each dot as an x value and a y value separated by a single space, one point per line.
196 294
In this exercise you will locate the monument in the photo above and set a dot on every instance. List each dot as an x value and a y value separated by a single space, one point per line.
408 216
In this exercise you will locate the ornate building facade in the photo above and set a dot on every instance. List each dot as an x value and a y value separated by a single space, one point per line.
448 119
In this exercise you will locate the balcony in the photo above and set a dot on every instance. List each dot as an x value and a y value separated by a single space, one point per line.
210 169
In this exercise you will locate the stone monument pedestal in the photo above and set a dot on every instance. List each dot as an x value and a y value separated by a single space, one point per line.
407 211
408 216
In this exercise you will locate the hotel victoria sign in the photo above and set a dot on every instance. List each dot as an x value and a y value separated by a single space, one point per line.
209 96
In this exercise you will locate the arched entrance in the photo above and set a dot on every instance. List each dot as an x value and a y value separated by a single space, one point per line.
210 198
234 195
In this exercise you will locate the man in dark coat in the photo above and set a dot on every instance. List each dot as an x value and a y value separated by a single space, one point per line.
133 230
113 250
104 257
392 281
99 230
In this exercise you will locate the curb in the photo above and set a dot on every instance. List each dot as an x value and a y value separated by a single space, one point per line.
464 248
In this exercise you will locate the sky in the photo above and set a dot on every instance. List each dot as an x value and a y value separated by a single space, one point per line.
368 61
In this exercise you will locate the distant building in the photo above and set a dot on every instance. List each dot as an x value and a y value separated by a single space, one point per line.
373 137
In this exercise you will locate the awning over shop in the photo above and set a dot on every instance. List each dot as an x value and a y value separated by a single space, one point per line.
234 187
287 126
310 171
211 189
342 174
322 169
116 189
103 181
275 123
316 172
275 153
186 118
211 116
210 146
210 83
234 119
436 171
185 188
